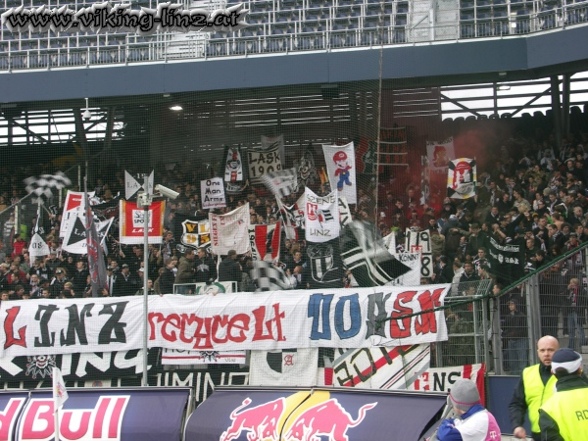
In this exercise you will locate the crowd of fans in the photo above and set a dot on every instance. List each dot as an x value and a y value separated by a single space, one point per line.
529 191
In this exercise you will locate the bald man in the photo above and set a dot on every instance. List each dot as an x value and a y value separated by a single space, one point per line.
535 386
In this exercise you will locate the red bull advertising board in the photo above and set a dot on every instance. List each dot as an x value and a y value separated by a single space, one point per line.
291 414
138 414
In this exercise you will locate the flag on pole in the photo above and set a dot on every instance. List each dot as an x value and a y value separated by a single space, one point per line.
60 395
38 247
132 186
96 264
366 256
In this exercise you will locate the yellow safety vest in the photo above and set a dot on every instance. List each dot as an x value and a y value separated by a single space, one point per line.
536 393
569 409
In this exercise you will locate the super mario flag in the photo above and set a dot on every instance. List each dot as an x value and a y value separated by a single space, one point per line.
461 178
340 162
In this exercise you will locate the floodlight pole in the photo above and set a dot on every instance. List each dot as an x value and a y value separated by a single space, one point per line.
144 199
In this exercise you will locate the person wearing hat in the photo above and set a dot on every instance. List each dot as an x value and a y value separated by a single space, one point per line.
125 284
514 337
473 421
564 417
58 282
535 387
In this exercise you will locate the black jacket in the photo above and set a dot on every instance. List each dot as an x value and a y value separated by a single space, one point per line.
229 270
517 408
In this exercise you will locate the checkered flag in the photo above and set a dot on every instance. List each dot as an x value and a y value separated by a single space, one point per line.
281 183
267 277
44 185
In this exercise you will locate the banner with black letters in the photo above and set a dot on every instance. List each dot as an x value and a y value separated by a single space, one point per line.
339 318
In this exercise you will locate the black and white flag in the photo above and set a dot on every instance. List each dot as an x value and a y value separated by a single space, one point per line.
364 253
38 247
282 182
46 183
132 185
267 277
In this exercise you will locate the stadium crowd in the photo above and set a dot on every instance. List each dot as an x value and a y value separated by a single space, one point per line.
530 190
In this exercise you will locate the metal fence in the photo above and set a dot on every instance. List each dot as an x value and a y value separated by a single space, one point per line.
22 52
500 327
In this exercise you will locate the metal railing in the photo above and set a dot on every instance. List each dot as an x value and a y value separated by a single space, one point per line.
53 52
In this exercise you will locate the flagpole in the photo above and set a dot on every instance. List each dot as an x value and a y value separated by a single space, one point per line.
56 422
147 204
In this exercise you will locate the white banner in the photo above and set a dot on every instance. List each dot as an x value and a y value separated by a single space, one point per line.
212 193
230 231
182 358
74 200
381 368
441 379
289 367
340 162
439 154
341 318
321 215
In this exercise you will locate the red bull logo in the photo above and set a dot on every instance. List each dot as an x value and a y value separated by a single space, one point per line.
299 417
259 422
103 422
326 419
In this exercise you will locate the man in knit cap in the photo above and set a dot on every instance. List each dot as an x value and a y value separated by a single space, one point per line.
564 417
473 421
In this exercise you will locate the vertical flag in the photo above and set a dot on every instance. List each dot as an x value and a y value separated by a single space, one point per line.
38 247
265 241
305 168
132 222
340 162
233 171
321 216
96 264
293 218
439 154
461 178
60 395
230 231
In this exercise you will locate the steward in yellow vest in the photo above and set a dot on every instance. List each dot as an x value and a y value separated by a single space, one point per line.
564 417
536 385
